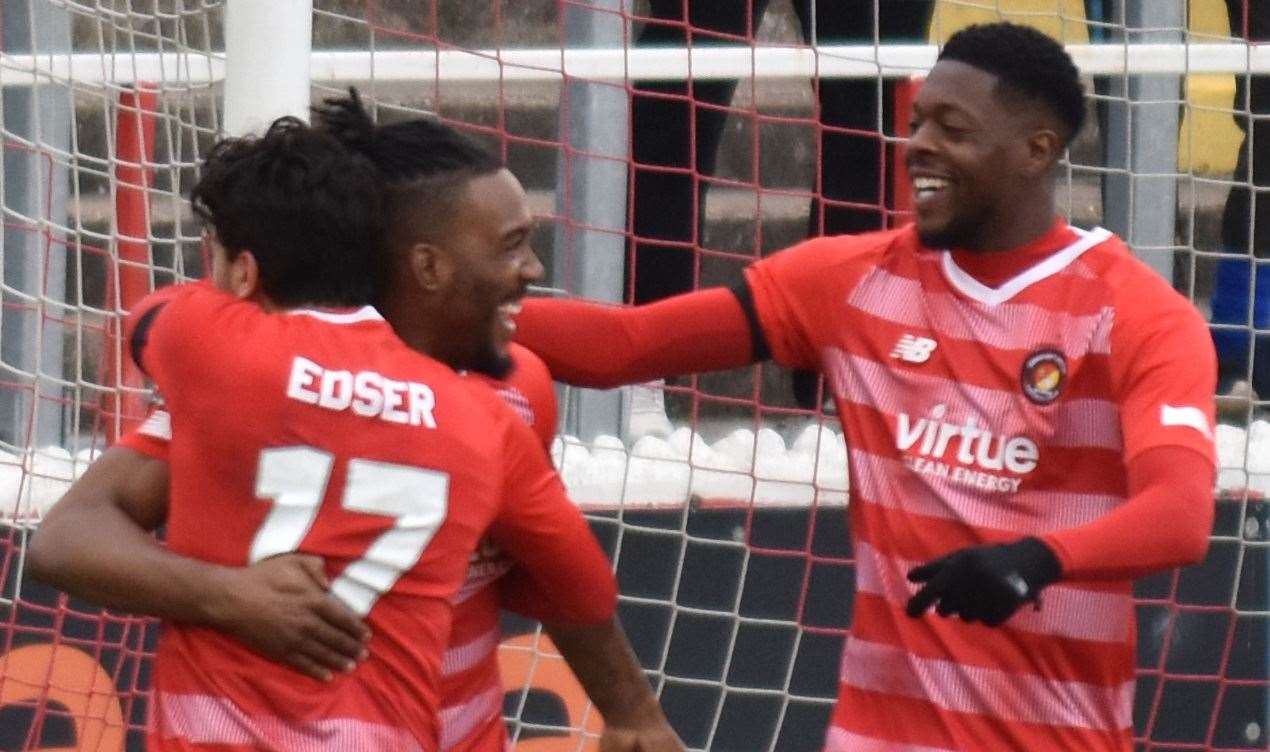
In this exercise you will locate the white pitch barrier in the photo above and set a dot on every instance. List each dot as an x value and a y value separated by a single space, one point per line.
742 468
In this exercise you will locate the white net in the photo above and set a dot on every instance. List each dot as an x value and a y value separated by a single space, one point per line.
728 529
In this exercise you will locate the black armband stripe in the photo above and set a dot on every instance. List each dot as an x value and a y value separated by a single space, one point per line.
141 334
758 343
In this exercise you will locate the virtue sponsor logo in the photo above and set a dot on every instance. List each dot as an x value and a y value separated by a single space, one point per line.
964 452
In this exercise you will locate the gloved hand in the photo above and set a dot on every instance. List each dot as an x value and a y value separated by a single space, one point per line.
984 583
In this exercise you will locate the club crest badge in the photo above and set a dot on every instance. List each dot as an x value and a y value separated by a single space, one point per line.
1044 375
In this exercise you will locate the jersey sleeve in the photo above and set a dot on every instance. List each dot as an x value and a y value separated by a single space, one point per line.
794 295
1164 369
605 346
173 332
544 532
152 438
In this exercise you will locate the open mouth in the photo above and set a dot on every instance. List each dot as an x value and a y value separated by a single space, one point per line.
507 313
927 188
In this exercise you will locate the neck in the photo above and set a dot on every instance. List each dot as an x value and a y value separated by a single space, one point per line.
259 297
411 325
1022 223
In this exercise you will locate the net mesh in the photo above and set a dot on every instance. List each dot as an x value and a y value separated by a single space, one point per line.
720 497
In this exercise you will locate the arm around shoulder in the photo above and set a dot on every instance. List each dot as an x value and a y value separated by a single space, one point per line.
603 346
96 542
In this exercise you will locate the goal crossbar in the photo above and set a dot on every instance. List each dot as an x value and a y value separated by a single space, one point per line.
618 64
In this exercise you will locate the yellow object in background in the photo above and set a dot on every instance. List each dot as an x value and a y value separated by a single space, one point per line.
1062 19
1209 139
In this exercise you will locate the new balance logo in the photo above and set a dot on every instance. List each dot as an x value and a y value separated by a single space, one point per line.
913 349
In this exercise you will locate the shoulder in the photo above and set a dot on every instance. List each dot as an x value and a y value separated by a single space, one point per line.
1143 301
508 421
822 265
527 390
529 372
152 437
187 311
480 392
176 321
837 250
1151 324
199 296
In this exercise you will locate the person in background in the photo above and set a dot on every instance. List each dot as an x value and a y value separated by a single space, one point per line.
676 127
1241 293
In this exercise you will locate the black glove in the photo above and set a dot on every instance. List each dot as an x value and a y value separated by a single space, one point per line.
984 583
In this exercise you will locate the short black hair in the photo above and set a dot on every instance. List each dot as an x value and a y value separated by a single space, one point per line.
422 161
1026 63
307 208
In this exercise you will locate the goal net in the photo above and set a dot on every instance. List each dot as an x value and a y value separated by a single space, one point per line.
721 497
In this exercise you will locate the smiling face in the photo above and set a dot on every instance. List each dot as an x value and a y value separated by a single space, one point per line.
975 159
487 242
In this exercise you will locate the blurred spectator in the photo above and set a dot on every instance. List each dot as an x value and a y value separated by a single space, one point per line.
675 122
1242 289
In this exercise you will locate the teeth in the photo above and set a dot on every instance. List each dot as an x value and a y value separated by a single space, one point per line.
929 184
507 312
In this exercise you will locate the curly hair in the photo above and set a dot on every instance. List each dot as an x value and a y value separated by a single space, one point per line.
309 210
1026 63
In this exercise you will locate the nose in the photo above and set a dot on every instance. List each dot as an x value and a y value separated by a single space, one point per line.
921 141
532 270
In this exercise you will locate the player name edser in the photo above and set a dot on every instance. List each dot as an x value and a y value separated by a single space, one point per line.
366 393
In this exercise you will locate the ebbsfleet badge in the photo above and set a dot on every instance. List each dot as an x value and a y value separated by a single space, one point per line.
1044 374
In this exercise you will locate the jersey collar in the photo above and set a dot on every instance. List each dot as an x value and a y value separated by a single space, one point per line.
340 316
1051 265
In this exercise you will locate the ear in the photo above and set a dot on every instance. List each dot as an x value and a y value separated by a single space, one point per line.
1044 148
244 276
429 266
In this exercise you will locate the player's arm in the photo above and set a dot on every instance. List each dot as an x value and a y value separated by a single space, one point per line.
605 665
542 531
96 544
603 346
1163 523
1165 375
563 577
772 313
599 654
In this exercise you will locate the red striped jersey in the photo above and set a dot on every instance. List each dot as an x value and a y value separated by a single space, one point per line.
979 413
471 685
305 430
470 689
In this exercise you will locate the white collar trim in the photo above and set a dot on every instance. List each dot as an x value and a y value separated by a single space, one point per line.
365 313
1052 265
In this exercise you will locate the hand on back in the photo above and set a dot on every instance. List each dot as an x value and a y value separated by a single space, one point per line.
281 608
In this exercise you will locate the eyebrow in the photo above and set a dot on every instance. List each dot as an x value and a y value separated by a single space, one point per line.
524 228
941 108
